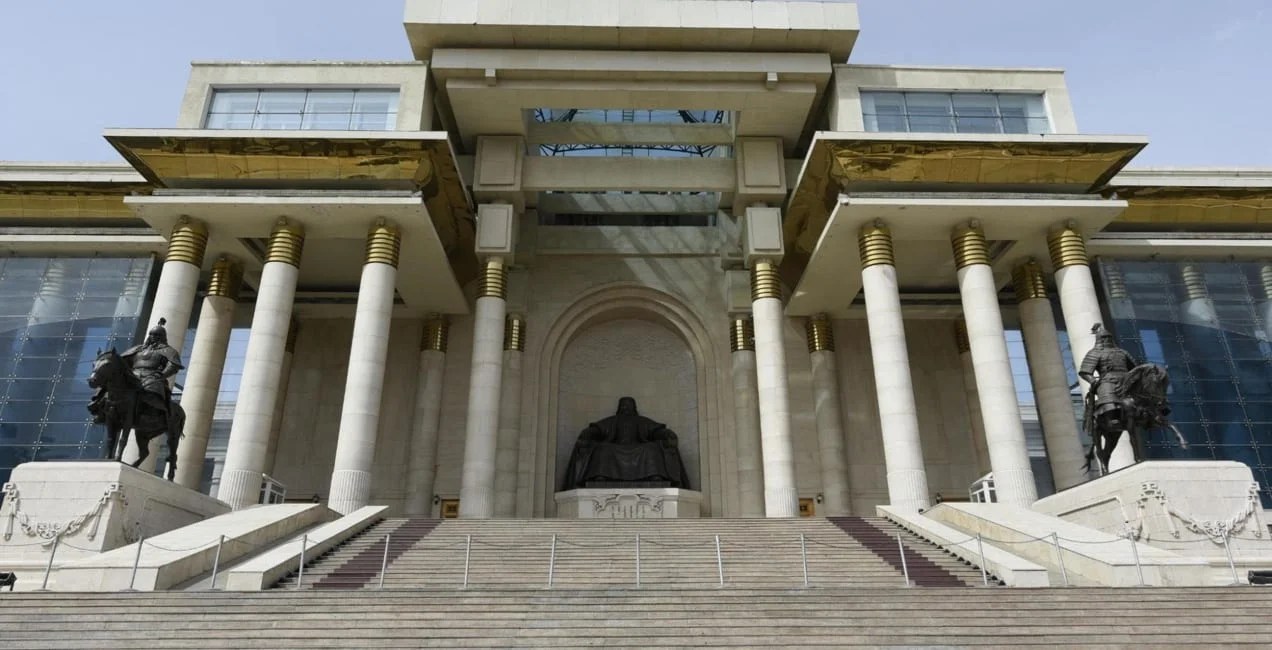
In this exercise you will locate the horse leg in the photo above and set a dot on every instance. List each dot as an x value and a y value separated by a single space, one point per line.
174 439
143 449
1105 445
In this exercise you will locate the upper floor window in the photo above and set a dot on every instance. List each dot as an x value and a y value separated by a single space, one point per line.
347 109
929 112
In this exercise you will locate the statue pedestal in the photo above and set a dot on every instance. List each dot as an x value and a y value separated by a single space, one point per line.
628 503
1183 506
93 506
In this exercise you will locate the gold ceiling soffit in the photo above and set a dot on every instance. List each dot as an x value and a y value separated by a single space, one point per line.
1197 206
69 200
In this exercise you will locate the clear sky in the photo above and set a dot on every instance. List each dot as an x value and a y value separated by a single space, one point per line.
1194 76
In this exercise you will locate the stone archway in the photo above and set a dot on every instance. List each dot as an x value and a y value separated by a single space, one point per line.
595 320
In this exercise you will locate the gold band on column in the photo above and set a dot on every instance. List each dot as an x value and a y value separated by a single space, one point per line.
293 331
764 281
226 280
1194 280
384 243
875 243
436 331
515 334
286 243
1116 281
960 336
970 246
188 242
1029 281
821 338
1265 274
742 334
1067 247
494 280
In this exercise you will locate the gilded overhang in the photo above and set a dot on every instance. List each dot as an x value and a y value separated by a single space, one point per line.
69 200
1199 207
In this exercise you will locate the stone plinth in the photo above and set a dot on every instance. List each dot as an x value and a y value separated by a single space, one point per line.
628 503
1182 506
94 506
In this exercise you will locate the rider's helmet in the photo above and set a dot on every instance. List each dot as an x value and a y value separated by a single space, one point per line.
1103 337
158 334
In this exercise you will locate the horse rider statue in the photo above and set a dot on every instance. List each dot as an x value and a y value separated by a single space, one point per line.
154 363
1105 368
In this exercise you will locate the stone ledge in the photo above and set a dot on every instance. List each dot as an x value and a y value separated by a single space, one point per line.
269 567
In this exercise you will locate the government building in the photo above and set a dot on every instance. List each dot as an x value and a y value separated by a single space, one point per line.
832 290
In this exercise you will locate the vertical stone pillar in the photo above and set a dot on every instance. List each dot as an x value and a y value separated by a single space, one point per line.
207 361
830 427
509 438
975 419
746 418
1048 376
262 369
276 423
364 385
422 465
1080 307
1004 432
1197 309
477 488
781 498
894 389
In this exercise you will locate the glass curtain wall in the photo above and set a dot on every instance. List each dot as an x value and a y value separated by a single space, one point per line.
55 315
1210 324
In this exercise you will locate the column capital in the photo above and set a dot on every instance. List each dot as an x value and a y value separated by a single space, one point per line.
286 243
436 333
1067 247
515 334
821 337
188 243
384 243
741 334
875 243
1029 281
493 282
1117 281
226 279
764 280
970 246
1194 280
1265 277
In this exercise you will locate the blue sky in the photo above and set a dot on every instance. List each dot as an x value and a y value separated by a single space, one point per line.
1196 77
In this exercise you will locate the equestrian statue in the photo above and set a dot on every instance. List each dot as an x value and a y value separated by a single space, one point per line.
133 394
1125 396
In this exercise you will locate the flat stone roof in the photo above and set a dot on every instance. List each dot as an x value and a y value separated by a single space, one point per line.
664 25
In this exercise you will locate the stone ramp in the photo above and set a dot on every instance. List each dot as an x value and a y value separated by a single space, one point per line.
646 618
602 554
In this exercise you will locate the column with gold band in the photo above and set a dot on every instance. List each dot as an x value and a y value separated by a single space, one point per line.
262 369
1004 431
477 486
746 417
207 360
509 435
781 497
830 428
975 420
422 463
1048 376
364 383
894 388
1265 307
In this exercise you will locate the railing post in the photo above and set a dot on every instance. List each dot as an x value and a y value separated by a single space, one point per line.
1232 563
719 561
1055 541
638 560
57 541
468 554
552 560
803 554
300 570
1139 568
905 568
384 562
132 580
216 561
980 548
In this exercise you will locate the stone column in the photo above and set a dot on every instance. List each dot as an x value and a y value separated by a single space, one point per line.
509 438
422 465
477 488
1004 432
894 389
1080 307
174 297
364 384
262 369
1048 376
207 361
746 418
830 427
1265 308
276 423
975 419
781 498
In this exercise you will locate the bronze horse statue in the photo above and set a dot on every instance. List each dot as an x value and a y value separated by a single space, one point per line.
123 405
1142 407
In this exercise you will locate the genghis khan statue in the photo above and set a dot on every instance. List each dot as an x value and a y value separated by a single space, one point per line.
626 448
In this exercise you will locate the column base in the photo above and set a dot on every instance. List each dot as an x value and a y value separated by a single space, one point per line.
781 503
350 490
476 503
240 488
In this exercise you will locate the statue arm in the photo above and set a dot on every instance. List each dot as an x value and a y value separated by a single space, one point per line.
592 433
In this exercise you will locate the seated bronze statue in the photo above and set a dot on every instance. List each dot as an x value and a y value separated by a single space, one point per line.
626 449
